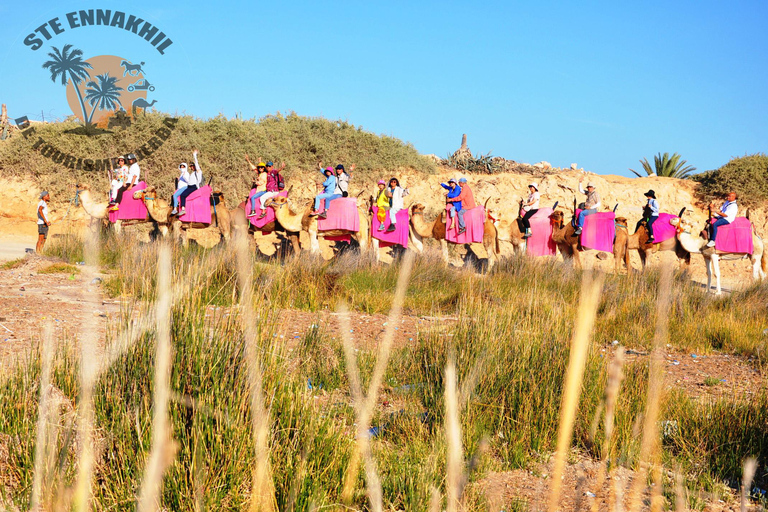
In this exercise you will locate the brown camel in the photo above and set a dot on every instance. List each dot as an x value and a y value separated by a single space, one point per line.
420 229
241 226
298 222
568 243
639 241
160 211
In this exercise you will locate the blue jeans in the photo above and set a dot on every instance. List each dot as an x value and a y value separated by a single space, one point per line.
461 218
254 197
582 214
328 198
649 224
721 221
185 193
176 196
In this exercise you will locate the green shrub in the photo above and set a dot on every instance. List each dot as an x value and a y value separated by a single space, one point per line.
745 175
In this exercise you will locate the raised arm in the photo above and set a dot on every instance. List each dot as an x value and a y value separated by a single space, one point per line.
247 159
197 165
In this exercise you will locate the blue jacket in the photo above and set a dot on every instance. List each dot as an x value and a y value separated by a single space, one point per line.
329 185
453 193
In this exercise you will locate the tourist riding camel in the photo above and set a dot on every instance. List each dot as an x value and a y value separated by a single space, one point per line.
328 194
181 185
650 214
132 177
725 215
467 200
530 207
395 193
274 184
342 180
260 183
454 206
195 182
382 202
118 179
591 205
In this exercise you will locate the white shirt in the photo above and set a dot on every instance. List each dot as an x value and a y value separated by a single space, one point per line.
535 196
183 178
397 198
342 183
194 178
729 210
133 170
45 212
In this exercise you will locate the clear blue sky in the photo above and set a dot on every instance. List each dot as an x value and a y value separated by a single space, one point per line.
602 84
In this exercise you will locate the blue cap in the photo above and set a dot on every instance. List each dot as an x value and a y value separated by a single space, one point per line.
270 164
463 180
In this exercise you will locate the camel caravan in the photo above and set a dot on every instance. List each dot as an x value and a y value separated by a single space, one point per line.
383 221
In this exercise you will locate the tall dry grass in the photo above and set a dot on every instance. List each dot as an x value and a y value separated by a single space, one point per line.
498 387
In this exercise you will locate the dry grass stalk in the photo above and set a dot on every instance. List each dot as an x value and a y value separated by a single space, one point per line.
263 490
43 412
650 444
615 376
750 466
454 460
585 320
364 406
162 450
680 500
89 365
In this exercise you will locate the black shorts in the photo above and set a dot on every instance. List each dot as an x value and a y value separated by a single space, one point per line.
42 229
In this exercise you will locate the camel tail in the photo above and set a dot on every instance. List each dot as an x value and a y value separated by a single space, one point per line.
764 260
498 249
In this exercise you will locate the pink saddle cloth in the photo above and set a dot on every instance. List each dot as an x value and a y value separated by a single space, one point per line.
599 231
255 221
130 208
198 207
540 243
474 220
398 237
342 214
662 229
735 237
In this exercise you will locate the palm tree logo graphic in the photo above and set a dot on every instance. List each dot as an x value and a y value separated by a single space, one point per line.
66 64
105 95
98 92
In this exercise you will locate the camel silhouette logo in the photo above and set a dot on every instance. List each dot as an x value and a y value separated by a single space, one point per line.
104 91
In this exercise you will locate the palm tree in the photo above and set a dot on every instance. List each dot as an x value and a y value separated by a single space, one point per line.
667 166
105 95
66 64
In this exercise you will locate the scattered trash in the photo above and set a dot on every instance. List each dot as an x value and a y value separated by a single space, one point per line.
310 385
374 431
590 494
81 263
615 342
694 356
669 428
96 280
21 289
29 250
675 362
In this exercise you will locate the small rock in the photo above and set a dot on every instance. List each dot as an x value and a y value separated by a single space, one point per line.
574 166
96 280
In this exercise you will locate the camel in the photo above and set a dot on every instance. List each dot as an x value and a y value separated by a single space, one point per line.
420 229
568 243
297 222
141 103
712 256
242 226
639 241
160 211
375 241
98 212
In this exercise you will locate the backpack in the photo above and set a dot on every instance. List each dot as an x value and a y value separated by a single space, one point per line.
280 182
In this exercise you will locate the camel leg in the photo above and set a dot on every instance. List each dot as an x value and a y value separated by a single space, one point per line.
375 246
314 244
444 246
416 243
576 258
716 268
117 226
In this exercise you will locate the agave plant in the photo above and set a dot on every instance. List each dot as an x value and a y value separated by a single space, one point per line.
667 166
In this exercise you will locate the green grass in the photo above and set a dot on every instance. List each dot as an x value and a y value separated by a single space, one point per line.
11 264
510 342
59 268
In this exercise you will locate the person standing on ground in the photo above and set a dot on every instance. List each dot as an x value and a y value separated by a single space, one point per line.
395 193
725 215
591 204
467 200
42 220
195 181
530 207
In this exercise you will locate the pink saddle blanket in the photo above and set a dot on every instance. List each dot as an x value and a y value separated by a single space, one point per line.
474 220
662 229
540 243
735 237
342 214
255 221
130 208
198 207
599 231
398 237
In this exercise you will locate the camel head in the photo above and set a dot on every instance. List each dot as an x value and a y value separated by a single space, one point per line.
620 220
557 218
81 187
276 202
417 209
